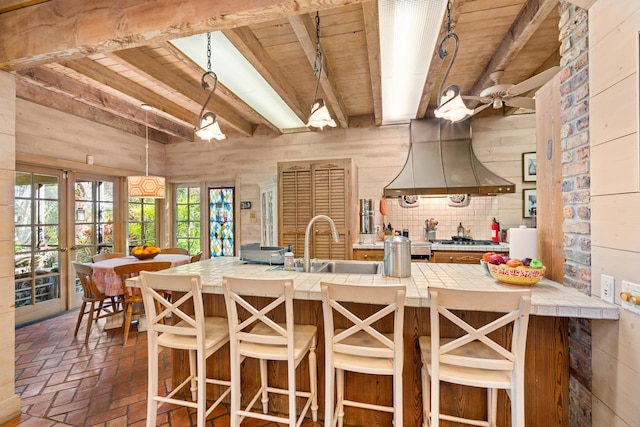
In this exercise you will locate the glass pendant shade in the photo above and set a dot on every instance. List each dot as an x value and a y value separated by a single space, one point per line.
452 106
320 116
209 128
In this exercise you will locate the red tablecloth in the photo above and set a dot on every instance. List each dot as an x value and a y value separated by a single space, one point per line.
109 283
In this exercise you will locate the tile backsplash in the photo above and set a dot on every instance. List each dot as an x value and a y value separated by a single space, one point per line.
476 216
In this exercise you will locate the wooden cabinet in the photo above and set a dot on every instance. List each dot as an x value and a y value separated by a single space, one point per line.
459 257
368 254
310 188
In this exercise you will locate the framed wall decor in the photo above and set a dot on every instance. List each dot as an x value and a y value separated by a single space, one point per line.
529 203
529 167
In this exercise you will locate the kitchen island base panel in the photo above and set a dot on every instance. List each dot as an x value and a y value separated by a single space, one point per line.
546 372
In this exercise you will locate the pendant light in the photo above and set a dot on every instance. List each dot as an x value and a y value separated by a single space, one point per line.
450 103
208 126
320 116
146 186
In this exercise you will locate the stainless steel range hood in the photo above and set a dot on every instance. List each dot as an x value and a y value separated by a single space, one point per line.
441 161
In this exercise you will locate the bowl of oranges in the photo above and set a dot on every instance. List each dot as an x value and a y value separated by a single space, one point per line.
145 252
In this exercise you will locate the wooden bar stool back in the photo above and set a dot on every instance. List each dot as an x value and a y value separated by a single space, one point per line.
94 303
255 334
476 359
360 347
180 251
131 296
200 335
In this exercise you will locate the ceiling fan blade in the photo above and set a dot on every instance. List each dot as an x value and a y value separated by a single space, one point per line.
480 108
533 82
521 102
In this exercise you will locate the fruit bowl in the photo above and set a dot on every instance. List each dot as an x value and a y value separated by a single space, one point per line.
146 256
516 275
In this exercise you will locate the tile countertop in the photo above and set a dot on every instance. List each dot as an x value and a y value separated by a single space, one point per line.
548 298
502 247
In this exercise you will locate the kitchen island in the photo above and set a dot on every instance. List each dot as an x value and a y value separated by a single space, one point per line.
547 368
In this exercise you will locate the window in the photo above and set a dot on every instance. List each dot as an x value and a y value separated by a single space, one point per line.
37 236
188 218
142 222
221 214
93 218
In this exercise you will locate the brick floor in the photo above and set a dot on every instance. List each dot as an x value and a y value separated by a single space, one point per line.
64 382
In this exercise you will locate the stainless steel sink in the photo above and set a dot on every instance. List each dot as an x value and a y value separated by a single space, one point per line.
340 267
347 267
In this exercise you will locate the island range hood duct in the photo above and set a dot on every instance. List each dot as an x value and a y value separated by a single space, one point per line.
441 161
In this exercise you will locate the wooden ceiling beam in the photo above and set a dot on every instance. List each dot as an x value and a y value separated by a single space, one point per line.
250 47
63 84
532 14
31 91
193 90
62 30
305 31
112 80
372 33
223 92
436 63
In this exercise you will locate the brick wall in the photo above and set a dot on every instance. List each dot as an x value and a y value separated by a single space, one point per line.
574 31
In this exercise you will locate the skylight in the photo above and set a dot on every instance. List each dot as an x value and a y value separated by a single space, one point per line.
239 76
409 32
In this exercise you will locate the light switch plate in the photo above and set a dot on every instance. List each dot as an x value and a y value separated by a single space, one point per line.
632 289
607 288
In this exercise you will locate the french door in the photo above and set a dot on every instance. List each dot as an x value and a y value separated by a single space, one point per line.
93 223
41 262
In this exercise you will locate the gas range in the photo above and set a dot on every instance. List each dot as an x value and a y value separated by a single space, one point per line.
468 242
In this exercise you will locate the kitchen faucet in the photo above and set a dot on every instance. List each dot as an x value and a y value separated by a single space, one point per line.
334 232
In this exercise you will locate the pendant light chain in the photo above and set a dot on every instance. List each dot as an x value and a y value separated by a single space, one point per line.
209 52
317 64
146 144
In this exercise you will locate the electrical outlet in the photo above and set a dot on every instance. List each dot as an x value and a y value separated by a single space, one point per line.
377 228
607 288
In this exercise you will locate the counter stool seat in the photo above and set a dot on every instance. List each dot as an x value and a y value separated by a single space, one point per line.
258 332
200 335
475 359
360 347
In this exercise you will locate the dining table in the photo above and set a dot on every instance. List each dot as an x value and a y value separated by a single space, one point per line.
110 284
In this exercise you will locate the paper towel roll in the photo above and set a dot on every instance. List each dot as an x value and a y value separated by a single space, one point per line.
523 243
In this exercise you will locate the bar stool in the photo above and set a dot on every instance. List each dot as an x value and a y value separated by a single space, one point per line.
475 359
132 296
201 335
255 334
361 348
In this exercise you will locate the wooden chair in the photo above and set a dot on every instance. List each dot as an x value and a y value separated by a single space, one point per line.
107 255
254 333
92 299
360 347
201 335
475 359
131 296
196 257
180 251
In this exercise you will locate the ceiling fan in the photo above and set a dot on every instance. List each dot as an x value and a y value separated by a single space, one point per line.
509 94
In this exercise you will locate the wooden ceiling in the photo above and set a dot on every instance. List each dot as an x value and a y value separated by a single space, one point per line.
102 61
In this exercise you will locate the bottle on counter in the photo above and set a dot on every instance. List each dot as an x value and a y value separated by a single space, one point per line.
460 230
288 261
